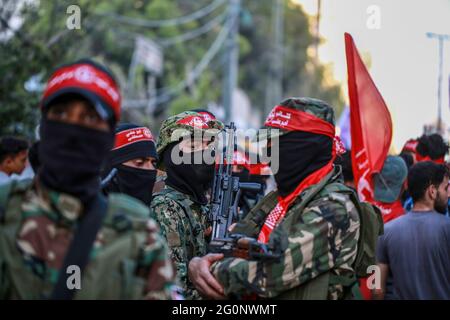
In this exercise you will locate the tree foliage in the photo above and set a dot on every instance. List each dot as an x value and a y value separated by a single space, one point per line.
43 41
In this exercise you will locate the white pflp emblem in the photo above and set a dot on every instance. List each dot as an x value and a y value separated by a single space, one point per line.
84 74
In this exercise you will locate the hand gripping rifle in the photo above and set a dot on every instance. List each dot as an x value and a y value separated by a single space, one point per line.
224 210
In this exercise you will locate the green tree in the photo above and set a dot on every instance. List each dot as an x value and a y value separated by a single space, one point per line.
43 41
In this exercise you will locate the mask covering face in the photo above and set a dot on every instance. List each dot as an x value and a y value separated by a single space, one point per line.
135 182
301 153
71 157
192 179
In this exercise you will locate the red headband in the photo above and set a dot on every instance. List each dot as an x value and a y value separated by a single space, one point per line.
411 145
198 122
295 120
127 137
87 77
207 116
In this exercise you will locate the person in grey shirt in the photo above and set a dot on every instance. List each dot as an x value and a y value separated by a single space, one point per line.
416 246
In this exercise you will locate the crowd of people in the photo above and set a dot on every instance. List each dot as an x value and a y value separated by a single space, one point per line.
110 199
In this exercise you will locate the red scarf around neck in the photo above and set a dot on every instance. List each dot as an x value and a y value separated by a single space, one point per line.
277 214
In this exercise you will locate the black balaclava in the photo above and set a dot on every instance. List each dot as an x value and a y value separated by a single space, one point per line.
300 154
71 157
192 179
33 156
135 182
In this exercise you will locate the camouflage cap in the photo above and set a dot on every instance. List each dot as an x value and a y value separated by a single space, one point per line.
299 114
187 123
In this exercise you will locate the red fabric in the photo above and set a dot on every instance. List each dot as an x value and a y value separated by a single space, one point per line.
371 124
421 158
390 211
207 116
87 77
260 169
371 129
365 291
127 137
410 145
198 122
277 214
295 120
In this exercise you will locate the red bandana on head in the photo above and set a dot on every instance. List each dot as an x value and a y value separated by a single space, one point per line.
197 122
127 137
207 116
411 145
295 120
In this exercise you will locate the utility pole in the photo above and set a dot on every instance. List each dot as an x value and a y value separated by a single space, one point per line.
319 12
274 90
231 58
441 38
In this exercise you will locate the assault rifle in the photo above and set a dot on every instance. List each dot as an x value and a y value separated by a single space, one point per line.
224 210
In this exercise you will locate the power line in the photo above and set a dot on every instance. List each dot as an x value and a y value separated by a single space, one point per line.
169 93
166 42
165 23
199 68
193 33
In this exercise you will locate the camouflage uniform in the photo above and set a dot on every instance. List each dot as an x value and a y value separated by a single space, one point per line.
321 237
183 223
318 237
129 259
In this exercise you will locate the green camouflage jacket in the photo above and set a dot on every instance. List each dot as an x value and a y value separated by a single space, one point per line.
317 236
129 259
183 223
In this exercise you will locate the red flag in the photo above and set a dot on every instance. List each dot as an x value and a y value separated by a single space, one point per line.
370 121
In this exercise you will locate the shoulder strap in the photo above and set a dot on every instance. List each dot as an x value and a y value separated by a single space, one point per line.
81 245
